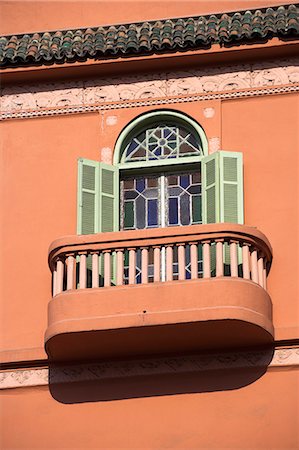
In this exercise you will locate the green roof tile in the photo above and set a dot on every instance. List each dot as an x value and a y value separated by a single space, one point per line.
150 37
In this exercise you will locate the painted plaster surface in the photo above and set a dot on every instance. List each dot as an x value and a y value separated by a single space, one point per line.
113 93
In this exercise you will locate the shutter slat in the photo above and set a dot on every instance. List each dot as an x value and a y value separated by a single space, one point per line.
107 181
88 213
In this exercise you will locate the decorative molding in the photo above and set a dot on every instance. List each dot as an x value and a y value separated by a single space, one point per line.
106 155
279 76
286 357
214 144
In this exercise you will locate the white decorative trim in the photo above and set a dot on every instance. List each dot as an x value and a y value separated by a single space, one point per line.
285 357
106 155
214 144
209 112
279 76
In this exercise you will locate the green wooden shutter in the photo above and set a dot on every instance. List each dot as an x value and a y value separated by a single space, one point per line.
222 192
109 208
88 196
98 197
231 187
210 197
108 198
231 195
98 202
210 188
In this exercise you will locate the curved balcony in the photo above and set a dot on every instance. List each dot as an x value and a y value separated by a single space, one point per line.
160 290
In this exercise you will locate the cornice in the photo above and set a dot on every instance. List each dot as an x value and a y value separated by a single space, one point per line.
225 82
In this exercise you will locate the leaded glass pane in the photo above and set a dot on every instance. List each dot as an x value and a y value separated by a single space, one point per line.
162 142
144 206
184 199
140 200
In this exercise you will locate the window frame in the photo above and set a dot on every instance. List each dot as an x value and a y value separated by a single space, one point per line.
147 120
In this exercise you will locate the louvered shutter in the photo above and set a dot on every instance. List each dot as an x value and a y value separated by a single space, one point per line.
98 197
210 188
98 202
231 187
210 197
222 185
108 198
88 196
231 195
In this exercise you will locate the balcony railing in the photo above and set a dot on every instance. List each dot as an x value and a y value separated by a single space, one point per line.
159 255
159 291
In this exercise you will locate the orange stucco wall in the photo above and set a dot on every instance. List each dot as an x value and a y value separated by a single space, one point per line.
38 181
261 415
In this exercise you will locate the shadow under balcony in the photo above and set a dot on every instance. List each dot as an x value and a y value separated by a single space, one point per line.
159 291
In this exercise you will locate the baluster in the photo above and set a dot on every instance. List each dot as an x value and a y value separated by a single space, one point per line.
182 262
219 258
157 264
95 270
55 281
169 263
254 270
233 259
107 268
144 265
82 271
60 270
206 260
245 257
70 272
132 265
265 274
119 267
194 261
260 265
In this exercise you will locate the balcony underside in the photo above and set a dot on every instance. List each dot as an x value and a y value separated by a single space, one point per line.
158 318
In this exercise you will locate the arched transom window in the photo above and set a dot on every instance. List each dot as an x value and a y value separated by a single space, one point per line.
163 141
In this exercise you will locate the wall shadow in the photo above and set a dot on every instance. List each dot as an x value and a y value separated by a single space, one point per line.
114 380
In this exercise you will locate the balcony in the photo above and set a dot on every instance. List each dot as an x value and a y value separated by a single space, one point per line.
158 291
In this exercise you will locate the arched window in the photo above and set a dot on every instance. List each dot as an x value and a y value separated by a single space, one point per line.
161 175
159 158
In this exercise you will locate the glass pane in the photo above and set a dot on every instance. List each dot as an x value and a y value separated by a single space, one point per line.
174 191
194 189
172 180
140 184
152 182
196 209
184 181
150 193
185 209
129 215
140 212
130 195
195 177
162 141
140 153
152 210
129 183
173 214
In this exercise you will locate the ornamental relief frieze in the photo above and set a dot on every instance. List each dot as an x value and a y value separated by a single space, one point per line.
166 85
285 357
